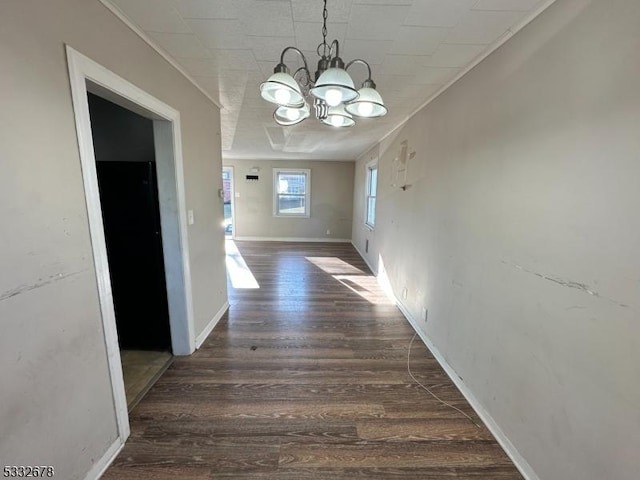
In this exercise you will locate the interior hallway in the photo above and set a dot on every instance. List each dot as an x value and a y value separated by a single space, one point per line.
306 377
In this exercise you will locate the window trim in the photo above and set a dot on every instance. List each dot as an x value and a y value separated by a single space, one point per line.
368 168
307 195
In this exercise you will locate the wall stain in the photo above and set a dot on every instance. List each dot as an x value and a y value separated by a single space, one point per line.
19 290
566 283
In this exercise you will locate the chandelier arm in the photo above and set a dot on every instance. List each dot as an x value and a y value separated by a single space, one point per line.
308 75
359 60
324 50
304 59
337 45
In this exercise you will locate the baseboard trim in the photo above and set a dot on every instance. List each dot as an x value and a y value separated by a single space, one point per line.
518 460
209 328
293 239
374 270
107 459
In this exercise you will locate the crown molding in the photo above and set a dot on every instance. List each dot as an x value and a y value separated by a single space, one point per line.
152 43
526 20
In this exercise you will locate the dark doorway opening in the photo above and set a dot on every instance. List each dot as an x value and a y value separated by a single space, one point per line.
127 180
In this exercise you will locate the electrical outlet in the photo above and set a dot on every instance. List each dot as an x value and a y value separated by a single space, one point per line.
405 292
425 313
328 231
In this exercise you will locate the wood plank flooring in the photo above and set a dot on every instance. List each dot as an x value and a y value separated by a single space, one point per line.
306 378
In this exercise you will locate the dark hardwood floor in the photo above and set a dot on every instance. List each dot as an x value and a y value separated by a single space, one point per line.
306 378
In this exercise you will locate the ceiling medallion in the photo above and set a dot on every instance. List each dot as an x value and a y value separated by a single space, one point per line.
335 98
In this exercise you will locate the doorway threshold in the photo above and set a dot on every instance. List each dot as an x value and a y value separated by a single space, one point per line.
141 370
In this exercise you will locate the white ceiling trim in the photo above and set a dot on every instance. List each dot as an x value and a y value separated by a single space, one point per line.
492 48
153 44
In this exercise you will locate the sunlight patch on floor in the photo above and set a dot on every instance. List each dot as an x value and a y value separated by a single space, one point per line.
384 282
335 266
237 270
367 287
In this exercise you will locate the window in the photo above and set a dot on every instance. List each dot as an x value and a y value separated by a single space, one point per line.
372 189
291 192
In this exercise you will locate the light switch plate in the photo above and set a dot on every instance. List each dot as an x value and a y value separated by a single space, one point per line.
190 217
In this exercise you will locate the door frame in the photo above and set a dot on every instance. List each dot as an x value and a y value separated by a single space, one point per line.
233 199
85 75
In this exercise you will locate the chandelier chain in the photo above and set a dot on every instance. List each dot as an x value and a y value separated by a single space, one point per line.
325 14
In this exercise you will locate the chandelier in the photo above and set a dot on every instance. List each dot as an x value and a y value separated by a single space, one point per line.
335 98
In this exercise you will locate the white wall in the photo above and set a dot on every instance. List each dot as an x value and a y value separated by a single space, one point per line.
56 405
331 200
520 233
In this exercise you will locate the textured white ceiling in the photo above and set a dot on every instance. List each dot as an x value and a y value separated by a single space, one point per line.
230 46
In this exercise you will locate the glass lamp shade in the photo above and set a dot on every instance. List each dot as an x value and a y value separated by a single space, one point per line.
283 90
335 86
339 117
287 116
369 104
